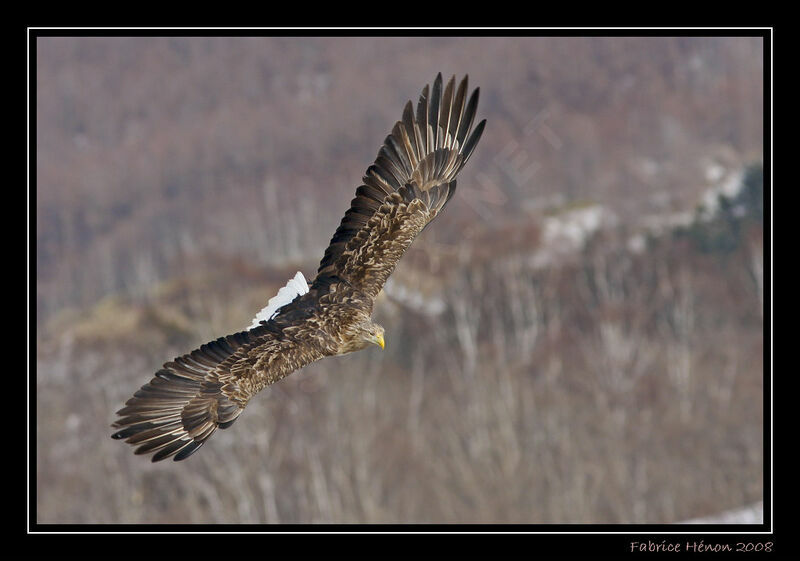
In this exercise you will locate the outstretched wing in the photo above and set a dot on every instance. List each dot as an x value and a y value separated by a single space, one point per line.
410 182
189 398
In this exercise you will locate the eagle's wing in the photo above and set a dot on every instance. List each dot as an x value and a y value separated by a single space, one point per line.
410 182
190 397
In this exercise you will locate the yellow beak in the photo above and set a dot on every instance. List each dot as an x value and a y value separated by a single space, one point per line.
379 340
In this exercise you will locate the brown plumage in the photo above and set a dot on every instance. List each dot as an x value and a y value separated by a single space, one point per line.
411 181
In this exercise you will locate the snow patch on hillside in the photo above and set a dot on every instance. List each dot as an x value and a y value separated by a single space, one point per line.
753 514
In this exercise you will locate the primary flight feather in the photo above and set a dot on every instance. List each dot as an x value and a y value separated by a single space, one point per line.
408 185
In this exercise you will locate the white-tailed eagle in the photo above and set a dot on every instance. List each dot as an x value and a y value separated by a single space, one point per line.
409 184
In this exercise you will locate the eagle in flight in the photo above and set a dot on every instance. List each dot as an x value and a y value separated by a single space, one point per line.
409 184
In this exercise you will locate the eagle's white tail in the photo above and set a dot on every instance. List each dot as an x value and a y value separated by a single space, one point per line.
296 286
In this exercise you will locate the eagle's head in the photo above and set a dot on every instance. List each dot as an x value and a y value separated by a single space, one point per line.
361 336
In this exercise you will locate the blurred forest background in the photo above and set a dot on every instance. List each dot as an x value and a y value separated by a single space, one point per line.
577 339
